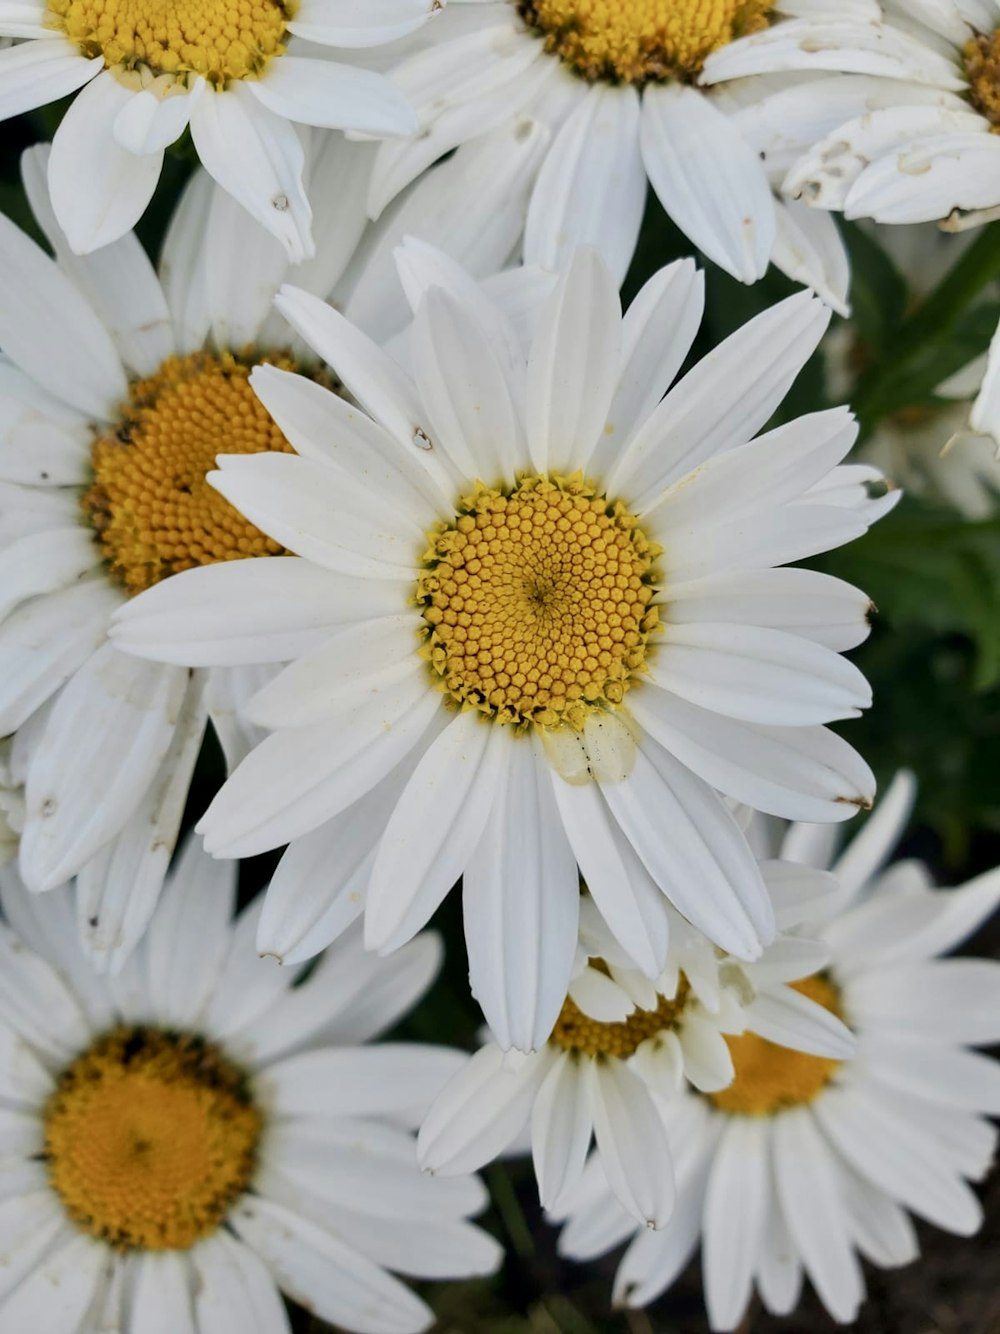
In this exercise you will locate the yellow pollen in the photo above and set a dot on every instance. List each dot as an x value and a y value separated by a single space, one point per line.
771 1079
577 1032
633 41
219 39
150 1137
537 601
982 64
149 503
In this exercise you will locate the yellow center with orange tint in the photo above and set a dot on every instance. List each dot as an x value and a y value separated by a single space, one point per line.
537 601
982 65
221 40
771 1079
150 1137
577 1032
149 503
634 41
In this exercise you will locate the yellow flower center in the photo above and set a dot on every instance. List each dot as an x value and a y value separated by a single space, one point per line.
577 1032
219 39
771 1079
149 503
633 41
982 64
150 1137
537 601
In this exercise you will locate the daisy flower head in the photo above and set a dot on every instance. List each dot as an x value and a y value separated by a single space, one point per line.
188 1138
621 1044
117 388
924 146
563 625
825 1157
622 86
240 74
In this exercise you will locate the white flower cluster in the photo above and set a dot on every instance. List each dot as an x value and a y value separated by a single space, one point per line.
371 485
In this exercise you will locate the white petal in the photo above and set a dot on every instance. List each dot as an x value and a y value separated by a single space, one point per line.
897 1157
789 1019
800 773
465 391
234 1288
725 399
118 281
872 847
707 870
481 1110
151 120
948 1000
394 1080
758 675
258 157
324 427
51 333
657 332
343 23
299 777
320 1272
252 611
521 902
708 179
591 189
434 828
561 1127
573 366
161 1298
32 74
99 190
806 1175
108 732
632 1141
734 1214
62 1285
333 95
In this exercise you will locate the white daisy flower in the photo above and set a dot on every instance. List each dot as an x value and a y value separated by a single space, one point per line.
805 1163
924 146
184 1140
115 394
621 1043
562 627
622 89
238 73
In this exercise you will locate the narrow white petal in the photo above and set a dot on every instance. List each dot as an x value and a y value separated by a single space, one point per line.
34 73
161 1297
481 1110
708 179
788 1018
734 1215
333 1280
234 1289
632 1141
109 731
434 828
335 96
591 189
561 1127
573 366
521 901
50 331
258 157
806 1174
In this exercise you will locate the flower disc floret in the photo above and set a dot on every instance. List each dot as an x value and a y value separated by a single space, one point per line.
578 1032
634 41
221 40
982 64
150 1137
149 503
771 1079
537 601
